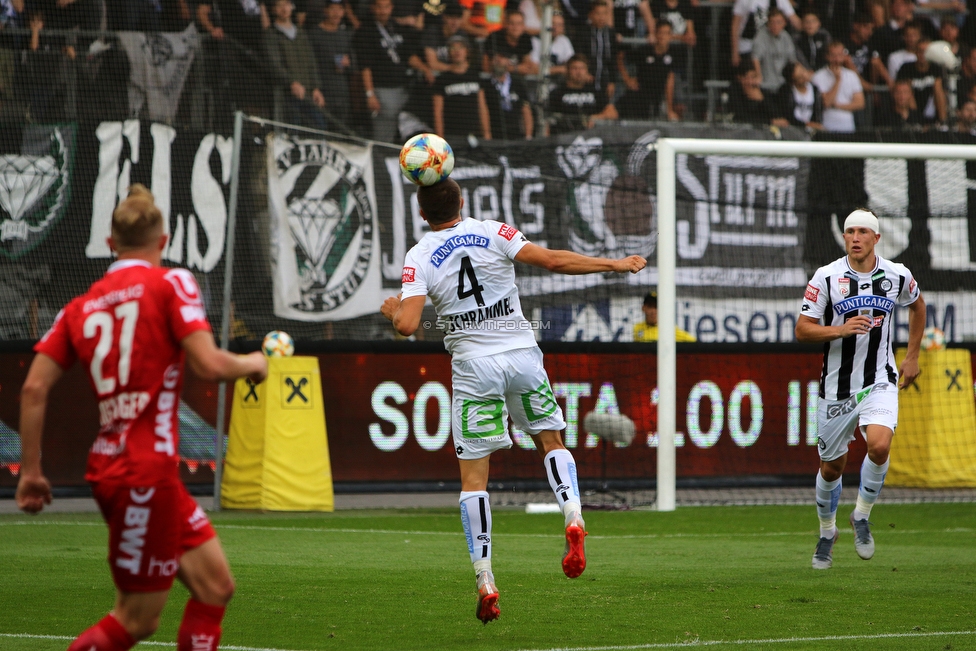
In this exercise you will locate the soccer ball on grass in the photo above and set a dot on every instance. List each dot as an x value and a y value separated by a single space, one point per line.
426 159
933 339
278 344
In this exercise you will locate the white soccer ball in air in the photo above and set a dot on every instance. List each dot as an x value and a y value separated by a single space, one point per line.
940 53
278 344
426 159
933 339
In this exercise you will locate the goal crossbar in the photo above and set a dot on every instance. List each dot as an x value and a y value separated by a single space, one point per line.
667 152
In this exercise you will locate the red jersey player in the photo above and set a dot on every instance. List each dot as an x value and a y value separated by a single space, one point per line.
131 331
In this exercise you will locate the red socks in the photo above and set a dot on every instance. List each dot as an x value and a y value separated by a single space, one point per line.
200 629
106 635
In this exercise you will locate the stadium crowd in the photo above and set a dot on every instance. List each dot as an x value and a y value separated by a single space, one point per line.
475 69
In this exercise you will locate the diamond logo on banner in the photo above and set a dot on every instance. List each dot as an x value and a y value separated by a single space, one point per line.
34 189
330 219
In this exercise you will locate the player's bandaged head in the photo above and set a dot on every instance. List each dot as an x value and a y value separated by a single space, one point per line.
861 218
440 202
137 221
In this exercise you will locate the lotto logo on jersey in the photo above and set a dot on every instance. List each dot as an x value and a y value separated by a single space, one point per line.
409 273
811 294
508 232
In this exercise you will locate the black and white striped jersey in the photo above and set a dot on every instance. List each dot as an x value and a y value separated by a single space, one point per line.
837 293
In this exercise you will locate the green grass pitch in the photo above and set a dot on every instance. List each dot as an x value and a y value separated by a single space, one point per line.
722 577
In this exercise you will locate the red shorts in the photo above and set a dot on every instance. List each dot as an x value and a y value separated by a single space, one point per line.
149 528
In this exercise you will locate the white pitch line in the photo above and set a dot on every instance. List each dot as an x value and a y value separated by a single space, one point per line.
782 640
633 647
29 636
403 532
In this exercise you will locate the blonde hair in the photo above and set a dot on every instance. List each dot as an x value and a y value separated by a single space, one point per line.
136 221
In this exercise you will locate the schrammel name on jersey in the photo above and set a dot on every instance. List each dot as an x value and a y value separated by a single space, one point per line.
476 318
444 251
882 303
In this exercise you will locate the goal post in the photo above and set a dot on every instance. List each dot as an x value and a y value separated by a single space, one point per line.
667 151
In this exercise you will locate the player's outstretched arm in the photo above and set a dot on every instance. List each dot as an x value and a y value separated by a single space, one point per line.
215 364
909 370
405 314
570 263
33 488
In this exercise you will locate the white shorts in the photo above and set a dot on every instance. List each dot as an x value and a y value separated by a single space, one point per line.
838 420
487 390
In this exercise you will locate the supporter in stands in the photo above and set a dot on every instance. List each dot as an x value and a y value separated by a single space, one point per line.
382 51
482 17
927 84
949 32
899 111
290 54
434 40
44 70
409 14
747 102
967 75
811 42
508 103
838 16
577 103
532 12
680 13
771 50
647 329
514 43
748 17
459 104
800 103
239 34
598 43
888 37
633 19
562 47
13 16
911 35
966 118
332 44
858 44
841 88
653 83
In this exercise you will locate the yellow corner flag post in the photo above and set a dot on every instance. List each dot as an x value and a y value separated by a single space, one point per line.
278 450
935 445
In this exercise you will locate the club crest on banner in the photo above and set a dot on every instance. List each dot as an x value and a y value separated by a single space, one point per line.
611 210
323 228
34 187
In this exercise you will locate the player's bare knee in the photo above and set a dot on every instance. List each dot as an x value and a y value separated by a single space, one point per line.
878 453
139 627
547 441
223 591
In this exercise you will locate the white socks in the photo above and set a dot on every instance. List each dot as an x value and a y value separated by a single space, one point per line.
476 520
828 496
561 471
872 479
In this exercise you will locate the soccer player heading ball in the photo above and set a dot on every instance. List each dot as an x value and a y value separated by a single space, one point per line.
467 268
131 331
855 297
